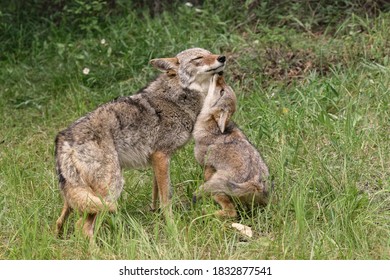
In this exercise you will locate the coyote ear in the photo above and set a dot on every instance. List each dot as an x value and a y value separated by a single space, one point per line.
170 64
223 120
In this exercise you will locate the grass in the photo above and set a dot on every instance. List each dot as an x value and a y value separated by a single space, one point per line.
314 99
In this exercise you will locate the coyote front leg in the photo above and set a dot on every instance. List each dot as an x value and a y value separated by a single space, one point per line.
154 194
161 184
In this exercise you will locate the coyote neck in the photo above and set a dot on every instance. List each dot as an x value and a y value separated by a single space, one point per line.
204 126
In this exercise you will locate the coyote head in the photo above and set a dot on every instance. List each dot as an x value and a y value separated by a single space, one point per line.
220 102
194 67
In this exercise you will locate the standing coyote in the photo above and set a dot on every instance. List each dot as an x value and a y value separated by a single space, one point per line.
234 168
132 132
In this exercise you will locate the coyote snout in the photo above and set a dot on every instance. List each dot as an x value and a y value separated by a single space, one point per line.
234 169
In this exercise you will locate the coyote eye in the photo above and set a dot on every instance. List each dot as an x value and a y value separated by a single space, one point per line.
222 92
197 58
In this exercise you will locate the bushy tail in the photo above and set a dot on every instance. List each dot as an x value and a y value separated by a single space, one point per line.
247 188
256 191
84 200
254 188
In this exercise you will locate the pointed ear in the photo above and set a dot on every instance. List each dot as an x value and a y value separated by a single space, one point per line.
223 120
166 64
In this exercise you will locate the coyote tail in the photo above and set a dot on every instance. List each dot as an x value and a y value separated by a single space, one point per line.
84 200
219 185
246 188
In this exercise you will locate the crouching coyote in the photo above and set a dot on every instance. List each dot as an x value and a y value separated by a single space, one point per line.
234 169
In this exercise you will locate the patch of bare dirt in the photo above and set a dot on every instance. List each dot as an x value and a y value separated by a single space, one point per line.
277 64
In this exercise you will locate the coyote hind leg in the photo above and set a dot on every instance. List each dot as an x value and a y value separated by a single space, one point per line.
228 209
218 187
87 225
66 210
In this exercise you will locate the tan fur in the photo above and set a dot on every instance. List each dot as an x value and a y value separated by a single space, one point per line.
234 169
132 132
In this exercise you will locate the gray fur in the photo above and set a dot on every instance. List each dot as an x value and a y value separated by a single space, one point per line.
132 132
234 168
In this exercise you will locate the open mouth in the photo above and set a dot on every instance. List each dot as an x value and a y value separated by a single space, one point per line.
217 69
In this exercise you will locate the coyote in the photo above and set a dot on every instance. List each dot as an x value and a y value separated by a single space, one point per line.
132 132
234 168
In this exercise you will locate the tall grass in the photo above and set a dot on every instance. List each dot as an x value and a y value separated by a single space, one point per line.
314 101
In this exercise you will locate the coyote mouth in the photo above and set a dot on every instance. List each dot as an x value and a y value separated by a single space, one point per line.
217 69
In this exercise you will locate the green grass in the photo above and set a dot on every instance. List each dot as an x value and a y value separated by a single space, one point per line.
314 100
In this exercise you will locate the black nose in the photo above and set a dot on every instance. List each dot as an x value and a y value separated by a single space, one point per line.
221 59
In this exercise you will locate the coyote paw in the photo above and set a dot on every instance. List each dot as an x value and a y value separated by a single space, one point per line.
195 198
231 213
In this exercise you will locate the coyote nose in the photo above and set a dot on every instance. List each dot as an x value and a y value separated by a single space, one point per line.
221 59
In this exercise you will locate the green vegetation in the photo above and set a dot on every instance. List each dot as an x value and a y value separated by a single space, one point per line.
313 83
